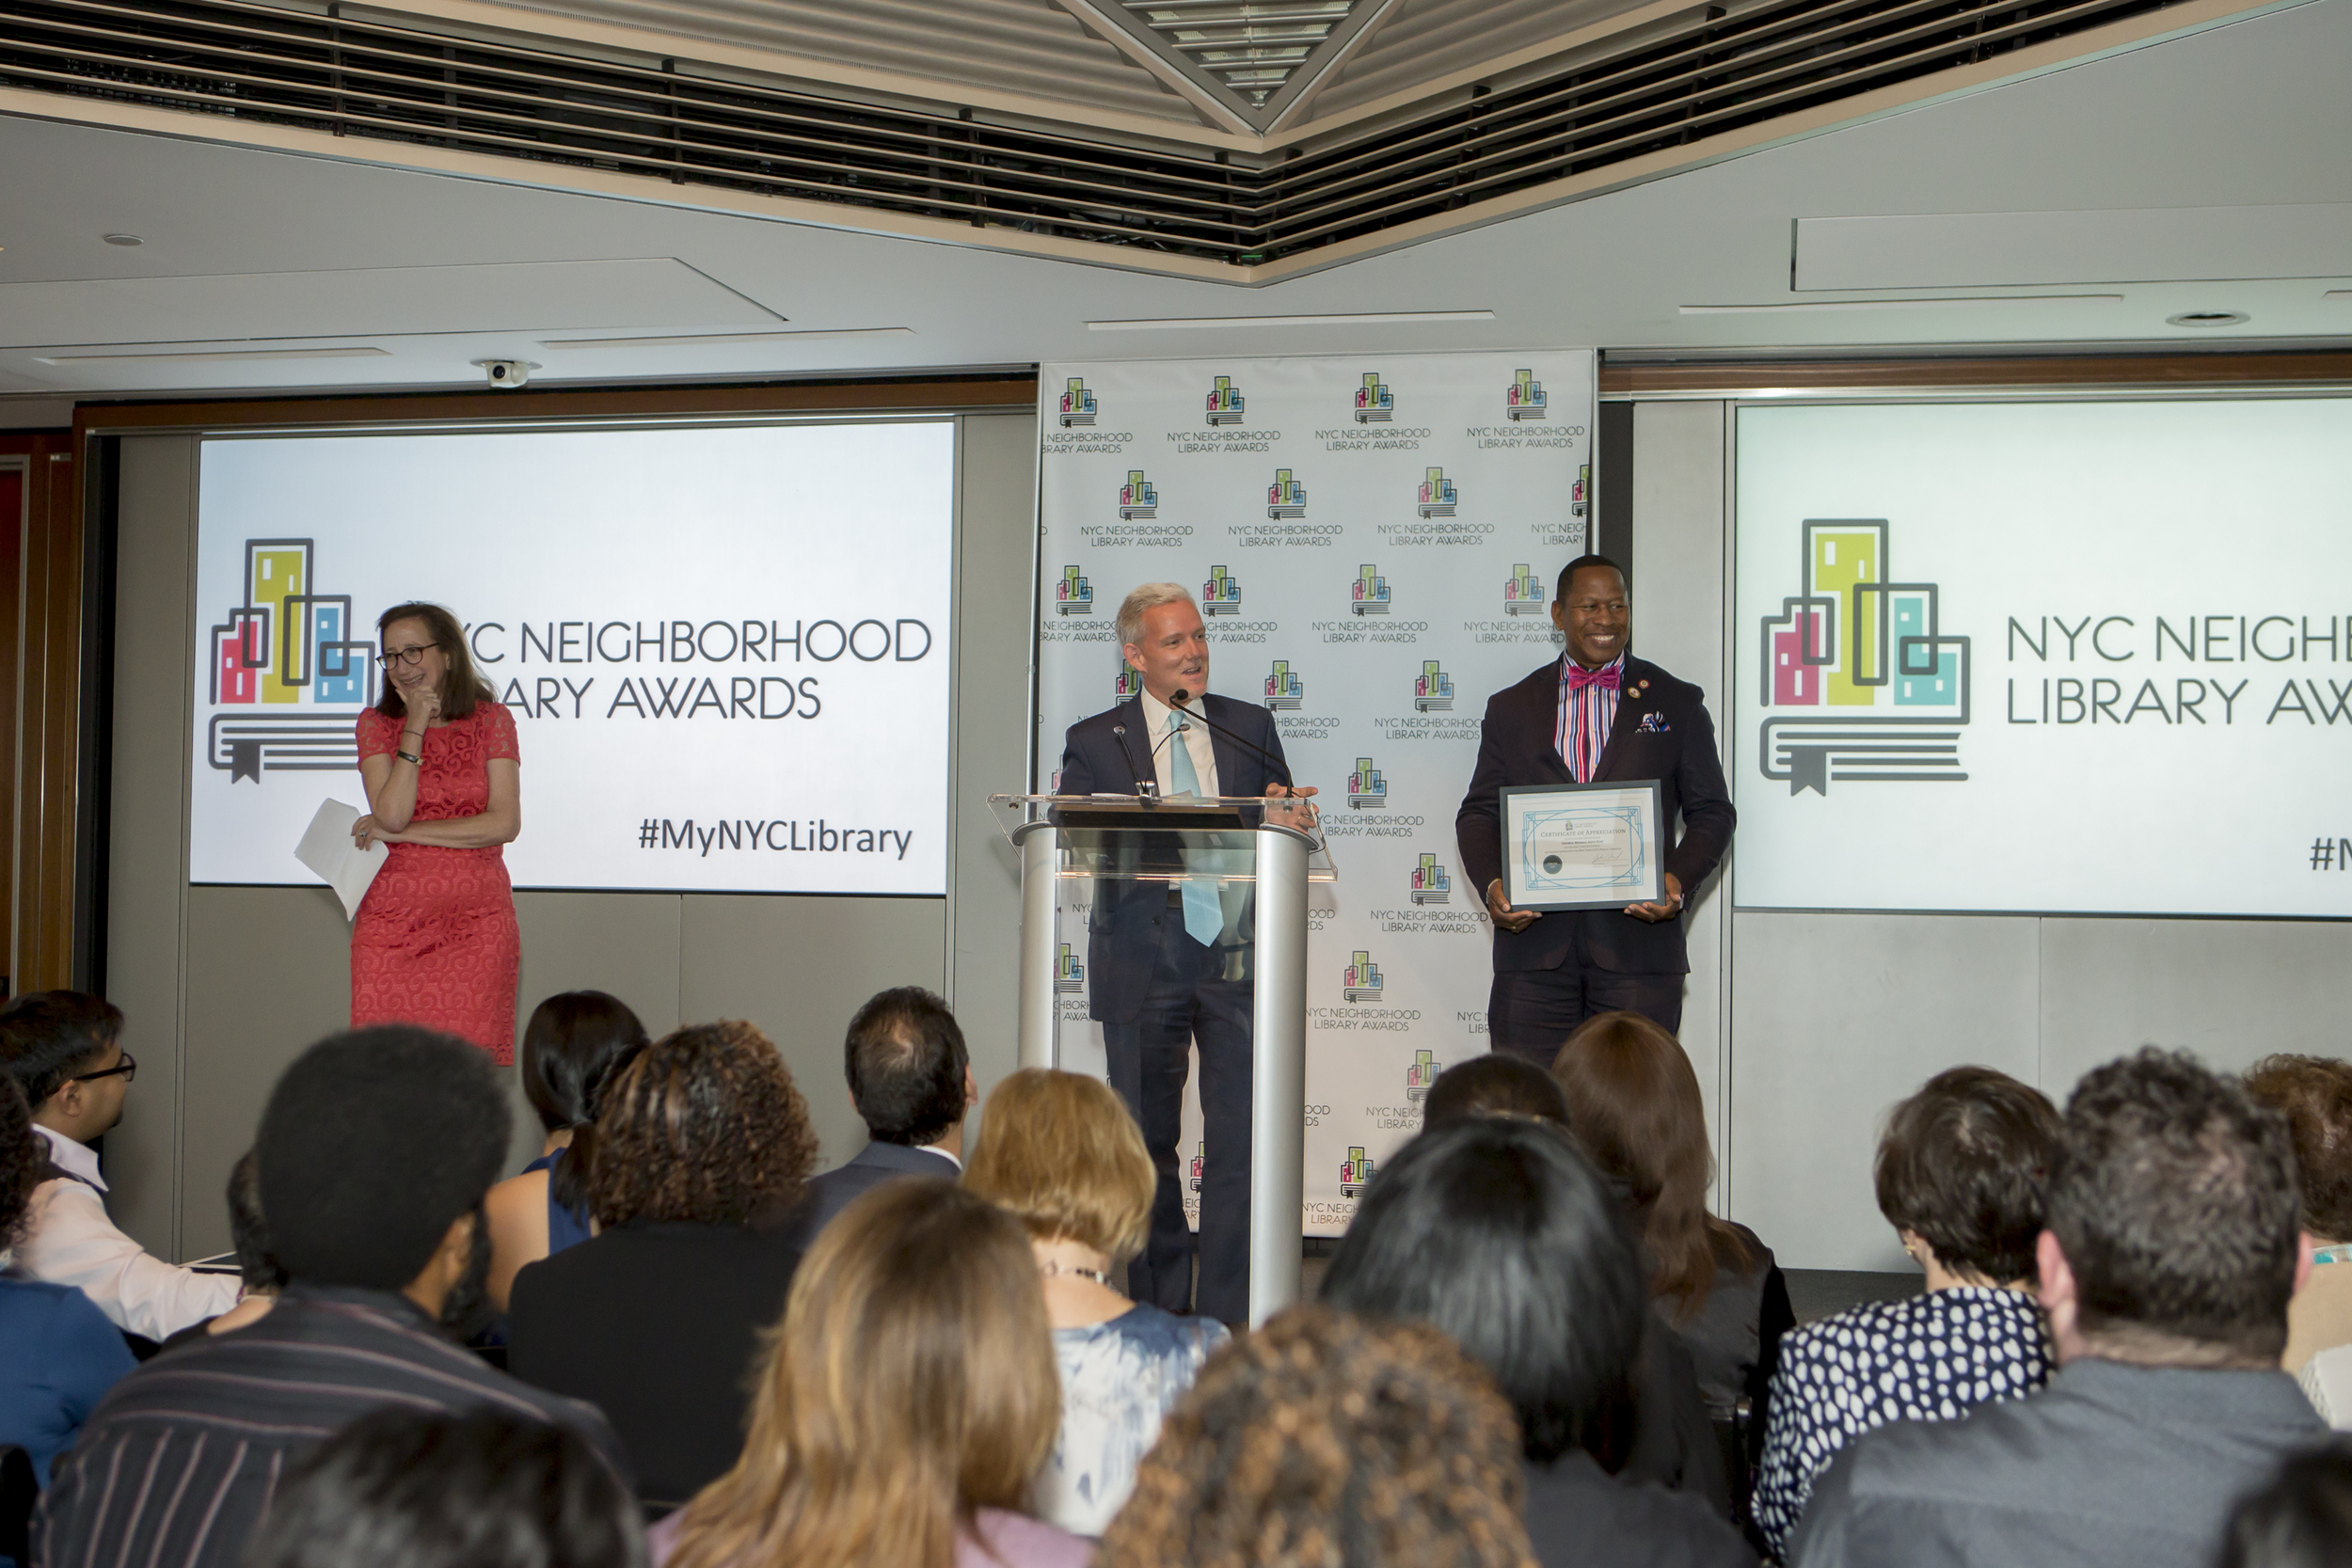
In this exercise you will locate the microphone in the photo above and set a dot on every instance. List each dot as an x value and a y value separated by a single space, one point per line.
1147 786
1177 698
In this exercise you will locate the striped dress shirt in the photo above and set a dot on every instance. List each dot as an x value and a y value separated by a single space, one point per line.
176 1468
1585 717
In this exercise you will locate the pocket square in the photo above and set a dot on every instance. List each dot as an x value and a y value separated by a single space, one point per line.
1655 722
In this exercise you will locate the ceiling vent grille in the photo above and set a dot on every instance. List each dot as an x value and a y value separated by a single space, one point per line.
380 81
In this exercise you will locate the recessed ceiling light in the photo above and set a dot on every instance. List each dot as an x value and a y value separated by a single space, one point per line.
122 238
1360 318
339 352
1802 305
2208 318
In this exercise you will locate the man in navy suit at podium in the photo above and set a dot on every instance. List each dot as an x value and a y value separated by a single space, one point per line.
1169 966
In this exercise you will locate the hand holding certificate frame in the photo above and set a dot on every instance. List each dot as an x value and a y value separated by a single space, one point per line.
1582 845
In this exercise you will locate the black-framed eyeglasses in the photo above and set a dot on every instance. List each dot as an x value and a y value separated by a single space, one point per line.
128 1067
410 656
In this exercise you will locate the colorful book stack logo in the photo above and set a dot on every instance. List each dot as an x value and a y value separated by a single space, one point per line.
1074 595
1225 402
1200 1163
1431 885
1367 785
1285 497
1437 495
1362 979
1221 593
1139 496
1423 1073
283 655
1130 680
1077 404
1369 594
1375 403
1524 400
1356 1171
1069 973
1524 594
1434 692
1580 493
1283 685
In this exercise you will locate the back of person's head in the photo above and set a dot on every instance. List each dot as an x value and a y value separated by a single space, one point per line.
1634 1107
911 1384
1494 1085
1501 1234
249 1233
46 1037
705 1126
374 1143
575 1045
1964 1164
23 1161
1326 1438
2302 1520
2314 1094
422 1489
2174 1202
1060 1152
905 1061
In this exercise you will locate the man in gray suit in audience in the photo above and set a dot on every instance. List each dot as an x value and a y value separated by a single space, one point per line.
912 1084
2174 1242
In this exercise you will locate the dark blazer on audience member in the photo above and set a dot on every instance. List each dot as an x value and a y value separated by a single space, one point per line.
865 1170
657 1325
2111 1465
1515 748
1578 1516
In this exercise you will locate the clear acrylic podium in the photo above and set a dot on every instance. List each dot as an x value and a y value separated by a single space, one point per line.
1260 856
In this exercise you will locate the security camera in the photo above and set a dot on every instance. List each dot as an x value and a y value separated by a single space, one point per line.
506 373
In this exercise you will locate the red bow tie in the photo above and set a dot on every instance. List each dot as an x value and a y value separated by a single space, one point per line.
1580 677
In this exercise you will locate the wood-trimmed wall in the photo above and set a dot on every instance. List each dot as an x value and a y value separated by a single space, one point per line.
45 734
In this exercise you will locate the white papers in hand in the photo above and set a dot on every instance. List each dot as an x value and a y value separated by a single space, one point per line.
326 848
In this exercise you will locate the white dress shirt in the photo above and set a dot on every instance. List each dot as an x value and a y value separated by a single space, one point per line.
1194 738
70 1241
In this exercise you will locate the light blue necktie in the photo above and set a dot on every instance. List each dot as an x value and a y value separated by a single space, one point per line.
1204 911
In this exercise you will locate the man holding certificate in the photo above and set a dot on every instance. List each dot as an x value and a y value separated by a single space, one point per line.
1568 826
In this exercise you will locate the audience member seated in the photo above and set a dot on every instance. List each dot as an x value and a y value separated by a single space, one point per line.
903 1409
912 1084
1634 1106
64 1051
2169 1252
1497 1231
262 1275
1327 1439
2302 1520
58 1355
1061 1152
1494 1085
1961 1174
376 1150
703 1154
416 1489
2314 1094
576 1042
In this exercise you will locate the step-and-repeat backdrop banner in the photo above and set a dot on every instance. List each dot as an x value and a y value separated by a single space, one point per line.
1374 544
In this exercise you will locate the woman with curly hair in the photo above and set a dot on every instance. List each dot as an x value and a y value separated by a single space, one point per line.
703 1147
62 1353
1329 1439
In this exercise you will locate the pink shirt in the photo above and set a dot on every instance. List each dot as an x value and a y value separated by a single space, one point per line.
1013 1541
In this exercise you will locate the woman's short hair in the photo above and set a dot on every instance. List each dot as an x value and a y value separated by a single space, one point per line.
398 1488
911 1385
1329 1438
2302 1520
2314 1094
1634 1107
23 1161
1494 1085
1151 596
1060 1152
461 687
575 1045
706 1127
1500 1233
1965 1165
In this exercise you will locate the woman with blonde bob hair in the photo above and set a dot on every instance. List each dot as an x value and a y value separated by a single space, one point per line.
1060 1152
904 1404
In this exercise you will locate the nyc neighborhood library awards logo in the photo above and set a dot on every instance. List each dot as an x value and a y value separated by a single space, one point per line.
1860 683
1077 404
1361 981
1423 1073
1074 595
1375 403
1356 1171
1522 400
1225 402
285 664
1369 594
1137 498
1221 593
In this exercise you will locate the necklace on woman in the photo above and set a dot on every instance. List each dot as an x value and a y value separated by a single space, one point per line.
1100 1276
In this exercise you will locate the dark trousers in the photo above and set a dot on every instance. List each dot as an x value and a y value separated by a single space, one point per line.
1531 1011
1189 1001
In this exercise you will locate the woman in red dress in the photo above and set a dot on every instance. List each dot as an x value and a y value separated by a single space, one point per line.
434 942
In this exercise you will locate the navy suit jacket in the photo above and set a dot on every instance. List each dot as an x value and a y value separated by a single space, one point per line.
868 1169
1130 917
1515 748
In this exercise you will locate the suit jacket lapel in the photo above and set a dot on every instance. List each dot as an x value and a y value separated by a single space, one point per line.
1134 752
1226 755
1629 715
1543 722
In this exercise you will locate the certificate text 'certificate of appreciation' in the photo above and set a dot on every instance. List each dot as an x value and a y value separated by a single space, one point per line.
1582 847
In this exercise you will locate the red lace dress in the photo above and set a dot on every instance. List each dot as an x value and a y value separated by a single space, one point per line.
434 942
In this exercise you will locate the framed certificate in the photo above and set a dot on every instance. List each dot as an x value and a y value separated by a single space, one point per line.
1582 845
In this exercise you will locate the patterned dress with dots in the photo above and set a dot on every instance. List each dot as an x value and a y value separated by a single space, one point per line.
1932 1357
434 942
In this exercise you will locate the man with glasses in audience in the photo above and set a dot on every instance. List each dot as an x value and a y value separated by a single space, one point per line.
65 1052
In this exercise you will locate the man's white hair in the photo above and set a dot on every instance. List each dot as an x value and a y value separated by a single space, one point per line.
1150 597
